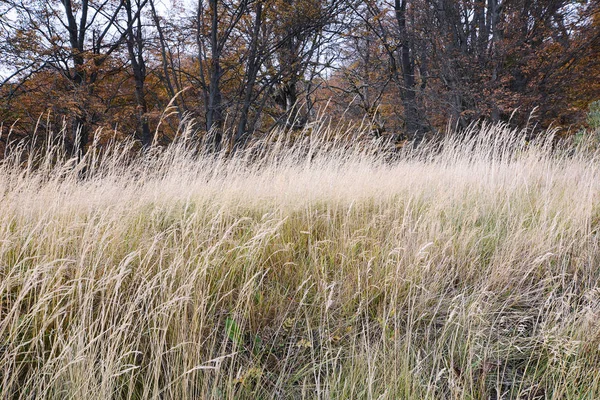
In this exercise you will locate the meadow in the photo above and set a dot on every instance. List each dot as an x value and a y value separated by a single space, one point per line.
467 268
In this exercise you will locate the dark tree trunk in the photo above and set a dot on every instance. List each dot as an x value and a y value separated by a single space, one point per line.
135 47
252 69
414 126
80 128
78 74
214 115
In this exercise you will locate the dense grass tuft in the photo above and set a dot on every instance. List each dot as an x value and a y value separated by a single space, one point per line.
468 269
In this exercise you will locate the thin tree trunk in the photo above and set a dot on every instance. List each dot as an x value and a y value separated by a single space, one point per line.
163 51
135 45
242 133
214 115
414 126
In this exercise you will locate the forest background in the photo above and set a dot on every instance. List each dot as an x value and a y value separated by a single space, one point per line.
239 69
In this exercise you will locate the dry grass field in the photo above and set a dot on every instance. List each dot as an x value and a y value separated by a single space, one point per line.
468 269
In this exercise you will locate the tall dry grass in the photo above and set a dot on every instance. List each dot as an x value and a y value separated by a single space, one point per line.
468 269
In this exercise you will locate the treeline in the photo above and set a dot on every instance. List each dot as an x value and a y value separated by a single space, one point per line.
241 68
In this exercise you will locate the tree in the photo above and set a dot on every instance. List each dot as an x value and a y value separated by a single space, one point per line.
74 38
242 68
216 25
135 48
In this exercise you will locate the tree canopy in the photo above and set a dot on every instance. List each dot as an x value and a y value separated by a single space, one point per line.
241 68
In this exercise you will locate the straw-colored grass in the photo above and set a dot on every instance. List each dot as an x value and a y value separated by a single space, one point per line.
468 269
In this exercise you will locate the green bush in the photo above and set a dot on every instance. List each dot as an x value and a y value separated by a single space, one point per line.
593 115
591 135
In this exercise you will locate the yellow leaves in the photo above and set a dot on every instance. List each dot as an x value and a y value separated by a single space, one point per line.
288 324
335 338
338 335
304 344
250 375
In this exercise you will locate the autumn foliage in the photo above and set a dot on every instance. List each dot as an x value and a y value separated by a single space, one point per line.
241 68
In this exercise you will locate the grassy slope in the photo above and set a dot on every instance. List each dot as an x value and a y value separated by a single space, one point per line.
471 273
